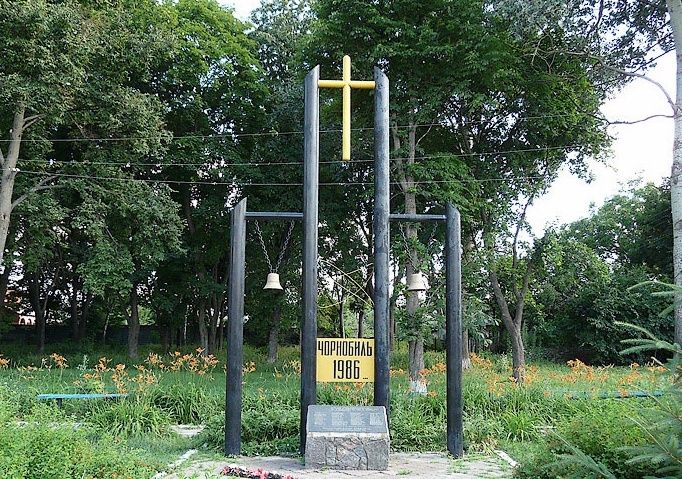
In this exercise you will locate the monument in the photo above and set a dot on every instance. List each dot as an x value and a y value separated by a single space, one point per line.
349 437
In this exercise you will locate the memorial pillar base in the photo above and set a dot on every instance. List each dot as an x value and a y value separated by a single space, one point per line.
347 437
356 451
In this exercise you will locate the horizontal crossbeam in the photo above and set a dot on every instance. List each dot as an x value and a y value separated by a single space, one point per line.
273 215
415 218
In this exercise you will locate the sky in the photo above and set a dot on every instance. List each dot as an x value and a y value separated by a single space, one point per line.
639 151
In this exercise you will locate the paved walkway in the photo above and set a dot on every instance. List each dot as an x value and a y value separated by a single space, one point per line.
402 465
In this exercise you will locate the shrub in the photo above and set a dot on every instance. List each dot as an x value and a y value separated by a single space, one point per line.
269 425
418 423
519 425
131 417
47 451
265 419
600 429
184 403
482 434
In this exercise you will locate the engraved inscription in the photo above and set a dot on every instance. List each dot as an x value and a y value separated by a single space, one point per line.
359 419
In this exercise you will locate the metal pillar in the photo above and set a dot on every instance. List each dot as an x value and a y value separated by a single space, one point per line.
453 330
235 331
382 245
311 154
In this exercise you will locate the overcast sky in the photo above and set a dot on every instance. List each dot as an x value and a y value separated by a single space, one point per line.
642 150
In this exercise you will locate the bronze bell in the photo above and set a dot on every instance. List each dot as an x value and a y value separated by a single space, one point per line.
273 282
416 282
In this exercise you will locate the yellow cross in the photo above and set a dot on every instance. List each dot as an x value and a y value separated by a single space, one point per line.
346 84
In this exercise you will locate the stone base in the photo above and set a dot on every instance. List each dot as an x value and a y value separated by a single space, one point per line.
357 451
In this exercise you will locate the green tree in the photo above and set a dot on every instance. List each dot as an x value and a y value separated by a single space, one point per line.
633 228
579 296
617 41
213 90
66 68
76 84
489 135
133 229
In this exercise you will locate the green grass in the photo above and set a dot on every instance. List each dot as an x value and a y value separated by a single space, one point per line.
497 412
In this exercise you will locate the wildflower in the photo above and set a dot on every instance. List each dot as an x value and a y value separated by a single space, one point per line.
439 368
480 362
59 360
102 365
153 359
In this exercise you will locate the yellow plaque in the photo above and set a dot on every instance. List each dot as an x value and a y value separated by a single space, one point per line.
347 360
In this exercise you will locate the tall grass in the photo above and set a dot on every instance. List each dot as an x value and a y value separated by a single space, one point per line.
186 388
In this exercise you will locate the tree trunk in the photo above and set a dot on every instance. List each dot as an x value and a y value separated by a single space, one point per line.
221 327
392 306
4 282
518 355
40 329
133 324
201 320
83 321
466 356
361 323
415 345
512 325
416 366
74 311
165 337
675 11
342 328
106 325
9 172
36 304
213 327
273 336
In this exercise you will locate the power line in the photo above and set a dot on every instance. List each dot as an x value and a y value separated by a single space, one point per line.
263 133
234 183
300 163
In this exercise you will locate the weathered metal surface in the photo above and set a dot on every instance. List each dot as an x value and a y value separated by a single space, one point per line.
415 218
311 158
382 245
453 331
235 331
273 215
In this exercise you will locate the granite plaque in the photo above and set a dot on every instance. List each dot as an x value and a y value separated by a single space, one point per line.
363 419
347 437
